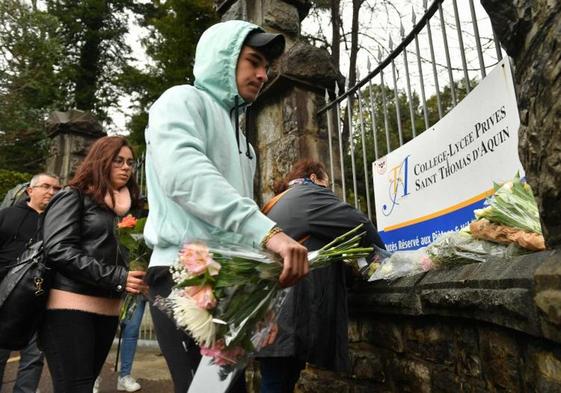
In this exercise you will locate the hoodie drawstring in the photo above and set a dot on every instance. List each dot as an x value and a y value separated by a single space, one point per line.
237 125
247 151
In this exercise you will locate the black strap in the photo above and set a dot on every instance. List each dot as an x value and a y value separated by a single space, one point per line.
7 267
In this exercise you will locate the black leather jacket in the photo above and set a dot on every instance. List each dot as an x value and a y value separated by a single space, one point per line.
81 246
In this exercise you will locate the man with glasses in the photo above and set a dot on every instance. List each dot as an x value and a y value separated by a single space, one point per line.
19 224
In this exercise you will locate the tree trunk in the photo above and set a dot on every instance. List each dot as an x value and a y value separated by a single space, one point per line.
88 71
335 32
354 42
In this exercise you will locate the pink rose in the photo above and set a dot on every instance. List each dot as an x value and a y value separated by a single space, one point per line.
196 259
203 295
221 355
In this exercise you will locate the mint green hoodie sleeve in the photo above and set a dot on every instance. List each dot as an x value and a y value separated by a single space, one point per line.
198 168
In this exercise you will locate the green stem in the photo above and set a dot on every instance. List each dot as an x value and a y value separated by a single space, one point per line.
344 236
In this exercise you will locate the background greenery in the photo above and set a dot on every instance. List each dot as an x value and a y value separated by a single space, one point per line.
66 54
9 179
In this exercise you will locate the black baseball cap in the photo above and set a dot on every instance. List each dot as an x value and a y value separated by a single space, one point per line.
270 44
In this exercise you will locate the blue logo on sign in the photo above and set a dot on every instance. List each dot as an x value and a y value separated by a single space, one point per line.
398 185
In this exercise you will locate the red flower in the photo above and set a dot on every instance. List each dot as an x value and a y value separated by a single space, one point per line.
127 222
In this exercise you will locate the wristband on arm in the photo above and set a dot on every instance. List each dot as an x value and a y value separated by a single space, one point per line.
272 232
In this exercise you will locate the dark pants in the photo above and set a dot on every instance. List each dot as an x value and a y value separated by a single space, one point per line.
182 354
76 344
279 375
29 370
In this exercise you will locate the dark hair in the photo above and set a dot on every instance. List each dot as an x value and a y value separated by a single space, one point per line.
93 176
302 168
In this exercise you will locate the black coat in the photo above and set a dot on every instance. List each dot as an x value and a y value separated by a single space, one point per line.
18 224
314 318
81 245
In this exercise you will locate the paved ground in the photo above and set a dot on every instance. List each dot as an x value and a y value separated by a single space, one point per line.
149 368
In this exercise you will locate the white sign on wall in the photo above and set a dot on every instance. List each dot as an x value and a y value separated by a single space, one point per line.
432 184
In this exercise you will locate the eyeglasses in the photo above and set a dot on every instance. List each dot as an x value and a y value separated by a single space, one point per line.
119 162
48 187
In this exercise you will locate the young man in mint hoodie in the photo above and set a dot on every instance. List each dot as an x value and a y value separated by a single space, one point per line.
200 169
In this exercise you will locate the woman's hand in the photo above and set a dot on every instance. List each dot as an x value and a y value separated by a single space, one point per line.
135 283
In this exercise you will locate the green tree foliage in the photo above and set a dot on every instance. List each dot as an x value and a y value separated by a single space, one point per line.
10 179
174 27
29 84
95 51
74 55
66 57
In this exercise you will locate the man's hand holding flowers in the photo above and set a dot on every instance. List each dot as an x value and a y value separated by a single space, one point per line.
227 296
294 257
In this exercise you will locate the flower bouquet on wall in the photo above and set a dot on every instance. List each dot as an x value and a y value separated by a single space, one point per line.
510 217
450 249
227 296
129 233
508 226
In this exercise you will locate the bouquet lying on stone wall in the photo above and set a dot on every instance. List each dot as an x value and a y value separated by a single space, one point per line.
509 225
510 217
227 296
450 249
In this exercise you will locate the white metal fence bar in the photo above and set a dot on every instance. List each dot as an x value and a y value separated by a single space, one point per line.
370 107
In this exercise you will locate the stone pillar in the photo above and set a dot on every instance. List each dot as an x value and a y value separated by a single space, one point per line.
273 15
282 124
71 133
530 33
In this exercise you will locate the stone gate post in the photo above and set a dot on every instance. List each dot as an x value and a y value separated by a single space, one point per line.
282 123
71 134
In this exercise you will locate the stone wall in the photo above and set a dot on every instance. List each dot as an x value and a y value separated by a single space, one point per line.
490 327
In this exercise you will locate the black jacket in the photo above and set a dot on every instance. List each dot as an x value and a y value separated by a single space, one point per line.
18 224
313 321
81 245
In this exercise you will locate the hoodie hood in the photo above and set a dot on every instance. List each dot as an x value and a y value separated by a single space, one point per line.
216 59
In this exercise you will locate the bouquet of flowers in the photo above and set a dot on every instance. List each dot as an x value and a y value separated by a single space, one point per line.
129 233
450 249
227 296
511 217
512 205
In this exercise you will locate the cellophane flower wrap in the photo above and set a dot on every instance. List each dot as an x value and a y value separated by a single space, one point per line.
511 216
450 249
227 296
513 205
129 233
